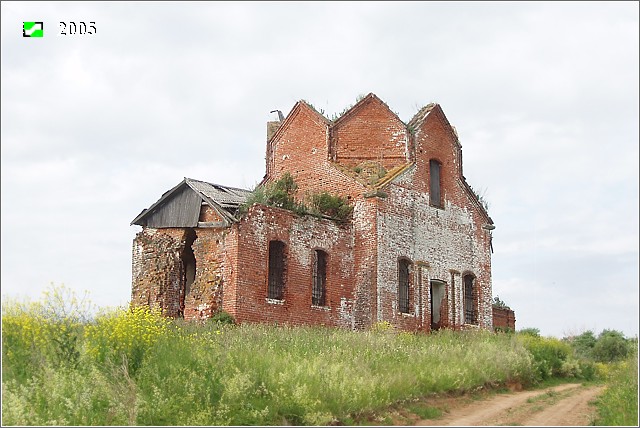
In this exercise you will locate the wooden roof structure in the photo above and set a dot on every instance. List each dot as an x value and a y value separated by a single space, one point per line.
181 206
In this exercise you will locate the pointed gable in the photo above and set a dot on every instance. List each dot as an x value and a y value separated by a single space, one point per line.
436 140
300 139
181 206
369 131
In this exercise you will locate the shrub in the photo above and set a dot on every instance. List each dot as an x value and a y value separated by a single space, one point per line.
279 194
222 317
611 346
583 344
549 354
498 303
534 332
331 205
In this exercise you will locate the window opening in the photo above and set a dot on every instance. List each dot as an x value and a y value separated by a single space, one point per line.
470 315
276 270
435 196
403 285
319 278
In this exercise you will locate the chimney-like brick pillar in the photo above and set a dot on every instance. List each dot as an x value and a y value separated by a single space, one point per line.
272 127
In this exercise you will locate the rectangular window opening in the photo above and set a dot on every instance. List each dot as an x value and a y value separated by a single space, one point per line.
276 270
435 196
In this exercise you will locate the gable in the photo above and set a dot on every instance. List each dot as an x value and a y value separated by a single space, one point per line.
436 140
369 131
182 205
300 141
180 208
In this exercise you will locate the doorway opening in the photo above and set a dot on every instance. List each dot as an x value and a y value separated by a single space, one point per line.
188 268
437 289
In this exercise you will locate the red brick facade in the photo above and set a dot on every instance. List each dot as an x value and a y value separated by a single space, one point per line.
383 168
504 319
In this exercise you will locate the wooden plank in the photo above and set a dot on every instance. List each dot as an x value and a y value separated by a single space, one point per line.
181 210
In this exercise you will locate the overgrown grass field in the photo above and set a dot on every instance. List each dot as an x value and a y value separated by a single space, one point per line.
134 367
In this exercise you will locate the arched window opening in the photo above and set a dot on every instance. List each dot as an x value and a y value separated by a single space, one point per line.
470 310
319 292
438 289
276 270
404 285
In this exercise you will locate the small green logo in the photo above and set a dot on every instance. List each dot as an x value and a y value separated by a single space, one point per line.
32 29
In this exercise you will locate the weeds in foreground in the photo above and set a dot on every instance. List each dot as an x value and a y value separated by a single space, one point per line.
134 367
618 405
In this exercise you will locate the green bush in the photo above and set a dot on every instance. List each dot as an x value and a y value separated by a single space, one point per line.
549 355
222 317
583 344
279 194
331 205
530 331
611 346
48 331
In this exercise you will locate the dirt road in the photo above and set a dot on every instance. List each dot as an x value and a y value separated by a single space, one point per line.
563 405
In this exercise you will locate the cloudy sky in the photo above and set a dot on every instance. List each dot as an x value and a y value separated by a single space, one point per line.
544 96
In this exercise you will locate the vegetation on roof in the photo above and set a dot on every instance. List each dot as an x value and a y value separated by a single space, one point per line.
337 116
498 303
330 205
481 197
370 171
281 194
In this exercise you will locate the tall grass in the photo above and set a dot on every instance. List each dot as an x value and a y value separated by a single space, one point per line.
134 367
619 404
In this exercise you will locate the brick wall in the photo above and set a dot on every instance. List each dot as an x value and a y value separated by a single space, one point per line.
301 148
370 132
446 242
504 318
301 236
204 297
157 270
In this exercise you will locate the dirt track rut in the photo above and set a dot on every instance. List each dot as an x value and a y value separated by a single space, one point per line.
563 405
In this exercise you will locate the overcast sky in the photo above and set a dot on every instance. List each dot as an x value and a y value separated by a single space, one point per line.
544 97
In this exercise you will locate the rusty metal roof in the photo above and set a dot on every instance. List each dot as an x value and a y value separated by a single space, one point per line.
226 197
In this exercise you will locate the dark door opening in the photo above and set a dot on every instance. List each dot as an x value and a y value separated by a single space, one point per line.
188 268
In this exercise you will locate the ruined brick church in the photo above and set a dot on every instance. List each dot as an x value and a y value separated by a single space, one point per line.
415 250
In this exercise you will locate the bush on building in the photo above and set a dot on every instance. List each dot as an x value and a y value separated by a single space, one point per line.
498 303
279 194
330 205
